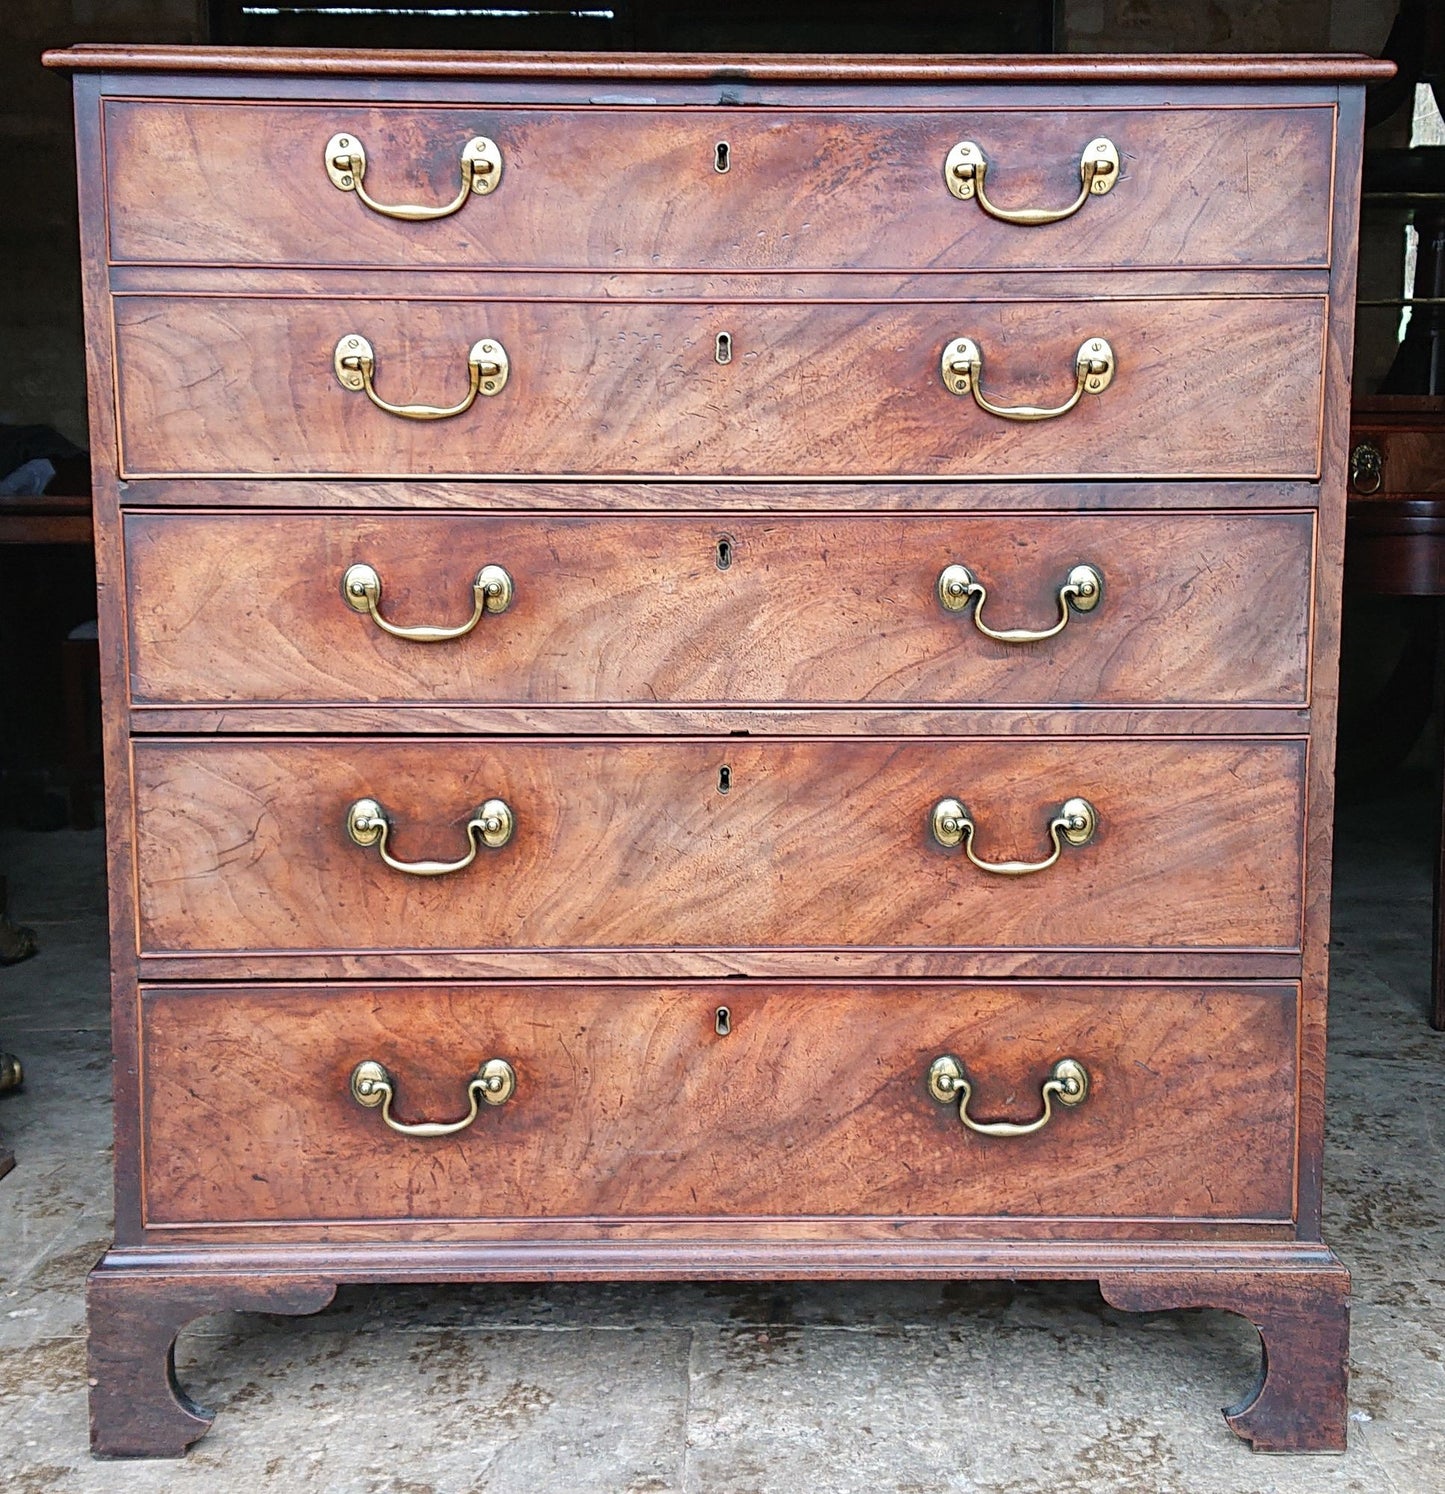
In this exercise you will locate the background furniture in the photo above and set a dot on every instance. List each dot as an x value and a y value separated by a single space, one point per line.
65 519
1395 546
782 730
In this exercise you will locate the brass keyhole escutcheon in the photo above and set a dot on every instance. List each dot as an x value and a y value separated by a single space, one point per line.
723 348
722 158
724 779
722 1021
724 552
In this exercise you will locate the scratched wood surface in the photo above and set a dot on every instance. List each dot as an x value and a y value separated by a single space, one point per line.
724 608
619 843
1205 387
629 1102
628 188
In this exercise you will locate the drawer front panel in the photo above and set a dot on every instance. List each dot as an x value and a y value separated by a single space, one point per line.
648 843
1205 387
629 1103
1197 609
623 189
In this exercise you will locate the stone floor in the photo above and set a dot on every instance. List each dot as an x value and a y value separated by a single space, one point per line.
829 1388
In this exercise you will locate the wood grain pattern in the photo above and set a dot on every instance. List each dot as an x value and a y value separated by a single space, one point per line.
242 845
683 495
628 1102
1204 387
723 720
978 283
690 962
637 188
1197 609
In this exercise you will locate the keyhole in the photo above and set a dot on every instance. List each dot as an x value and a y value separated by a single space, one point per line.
724 352
723 1021
724 553
722 159
724 779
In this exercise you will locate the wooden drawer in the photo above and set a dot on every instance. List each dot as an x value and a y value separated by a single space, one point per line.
1197 609
647 843
628 1102
1210 387
629 188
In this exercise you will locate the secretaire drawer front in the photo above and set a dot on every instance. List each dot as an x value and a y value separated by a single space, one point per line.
734 842
1167 1101
1211 387
633 188
1143 608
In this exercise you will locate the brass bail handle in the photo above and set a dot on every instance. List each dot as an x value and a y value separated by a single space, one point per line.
481 171
1074 824
1081 592
491 592
491 825
966 165
487 364
962 368
949 1084
494 1083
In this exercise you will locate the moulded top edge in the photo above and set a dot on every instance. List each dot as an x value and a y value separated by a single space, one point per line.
730 67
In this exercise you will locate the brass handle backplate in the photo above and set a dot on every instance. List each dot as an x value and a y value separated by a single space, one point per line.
491 825
962 367
481 171
1081 592
491 592
495 1082
949 1085
966 165
487 367
1074 825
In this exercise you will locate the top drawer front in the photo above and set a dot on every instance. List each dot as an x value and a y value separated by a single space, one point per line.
624 188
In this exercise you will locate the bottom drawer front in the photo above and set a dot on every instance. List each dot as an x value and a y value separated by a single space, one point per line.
629 1102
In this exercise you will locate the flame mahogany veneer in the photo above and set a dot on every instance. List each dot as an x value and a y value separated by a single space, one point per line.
725 693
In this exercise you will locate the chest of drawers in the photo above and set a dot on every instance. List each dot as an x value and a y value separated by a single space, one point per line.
708 676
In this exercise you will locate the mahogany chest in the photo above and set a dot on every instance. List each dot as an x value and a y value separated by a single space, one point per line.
718 668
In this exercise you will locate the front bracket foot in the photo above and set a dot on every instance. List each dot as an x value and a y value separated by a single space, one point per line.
1300 1401
137 1407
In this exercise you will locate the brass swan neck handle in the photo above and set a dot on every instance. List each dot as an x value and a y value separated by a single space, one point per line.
962 368
481 171
1068 1082
369 825
1074 824
1082 591
491 592
488 368
494 1083
965 167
